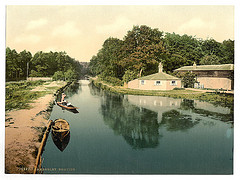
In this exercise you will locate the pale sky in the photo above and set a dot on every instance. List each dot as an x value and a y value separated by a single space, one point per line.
81 30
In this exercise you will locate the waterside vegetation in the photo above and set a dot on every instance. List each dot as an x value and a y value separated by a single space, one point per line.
57 65
143 48
223 99
20 94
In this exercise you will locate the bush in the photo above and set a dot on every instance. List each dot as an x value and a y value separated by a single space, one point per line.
58 75
112 80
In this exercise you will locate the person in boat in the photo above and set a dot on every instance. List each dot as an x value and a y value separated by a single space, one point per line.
63 101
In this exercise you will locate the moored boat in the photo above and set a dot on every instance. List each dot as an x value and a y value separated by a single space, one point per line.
63 105
61 133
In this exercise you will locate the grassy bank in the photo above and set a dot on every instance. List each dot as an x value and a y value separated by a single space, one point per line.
19 95
212 97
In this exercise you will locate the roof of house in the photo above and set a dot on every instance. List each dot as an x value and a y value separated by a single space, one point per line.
158 76
206 67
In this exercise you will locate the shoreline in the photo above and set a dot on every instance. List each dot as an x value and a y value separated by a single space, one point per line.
24 129
211 96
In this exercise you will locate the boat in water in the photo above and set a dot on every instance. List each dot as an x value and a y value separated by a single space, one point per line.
60 133
68 107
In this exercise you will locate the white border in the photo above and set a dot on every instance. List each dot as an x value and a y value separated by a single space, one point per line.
236 3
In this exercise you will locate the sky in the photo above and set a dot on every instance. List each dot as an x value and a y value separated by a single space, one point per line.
81 30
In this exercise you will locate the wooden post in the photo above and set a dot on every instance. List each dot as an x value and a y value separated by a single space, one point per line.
41 146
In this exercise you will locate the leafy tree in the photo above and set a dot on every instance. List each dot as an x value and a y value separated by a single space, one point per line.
183 51
40 65
188 79
228 52
143 49
211 46
58 75
70 75
210 60
129 76
107 59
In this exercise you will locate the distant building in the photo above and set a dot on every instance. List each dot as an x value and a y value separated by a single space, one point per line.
211 76
157 81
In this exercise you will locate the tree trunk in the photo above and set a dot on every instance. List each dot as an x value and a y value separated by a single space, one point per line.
140 73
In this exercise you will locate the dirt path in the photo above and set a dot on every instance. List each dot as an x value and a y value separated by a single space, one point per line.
22 131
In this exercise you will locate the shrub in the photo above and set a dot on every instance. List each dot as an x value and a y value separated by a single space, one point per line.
58 75
112 80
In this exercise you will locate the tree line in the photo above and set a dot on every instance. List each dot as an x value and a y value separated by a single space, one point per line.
143 47
42 64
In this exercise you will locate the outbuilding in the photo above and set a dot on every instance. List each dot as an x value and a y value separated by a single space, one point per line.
157 81
211 76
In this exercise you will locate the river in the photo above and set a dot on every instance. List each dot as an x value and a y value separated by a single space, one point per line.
128 134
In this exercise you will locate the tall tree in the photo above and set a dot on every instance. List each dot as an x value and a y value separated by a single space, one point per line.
228 52
143 48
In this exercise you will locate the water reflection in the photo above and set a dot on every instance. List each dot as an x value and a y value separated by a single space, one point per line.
142 135
71 90
138 119
60 133
138 126
182 109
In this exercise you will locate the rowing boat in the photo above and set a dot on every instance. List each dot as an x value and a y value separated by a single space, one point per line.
66 106
61 133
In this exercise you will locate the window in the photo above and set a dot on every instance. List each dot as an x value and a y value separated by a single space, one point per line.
158 83
142 82
173 83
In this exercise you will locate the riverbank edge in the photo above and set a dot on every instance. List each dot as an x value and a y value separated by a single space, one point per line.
47 129
216 98
39 134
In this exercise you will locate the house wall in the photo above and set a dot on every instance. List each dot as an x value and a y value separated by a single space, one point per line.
150 85
215 83
134 84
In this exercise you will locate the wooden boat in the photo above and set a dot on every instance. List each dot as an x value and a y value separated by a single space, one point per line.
61 133
71 107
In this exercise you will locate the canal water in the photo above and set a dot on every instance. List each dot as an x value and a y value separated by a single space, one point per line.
127 134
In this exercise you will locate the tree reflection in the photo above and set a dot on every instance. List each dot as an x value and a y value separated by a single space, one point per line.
187 104
175 121
95 91
138 118
73 89
70 91
190 105
138 126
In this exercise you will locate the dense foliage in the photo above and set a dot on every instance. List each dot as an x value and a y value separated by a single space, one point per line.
143 48
188 78
42 64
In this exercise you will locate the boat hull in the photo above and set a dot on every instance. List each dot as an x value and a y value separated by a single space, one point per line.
61 133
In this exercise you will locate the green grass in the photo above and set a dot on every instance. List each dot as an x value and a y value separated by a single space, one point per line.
18 94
